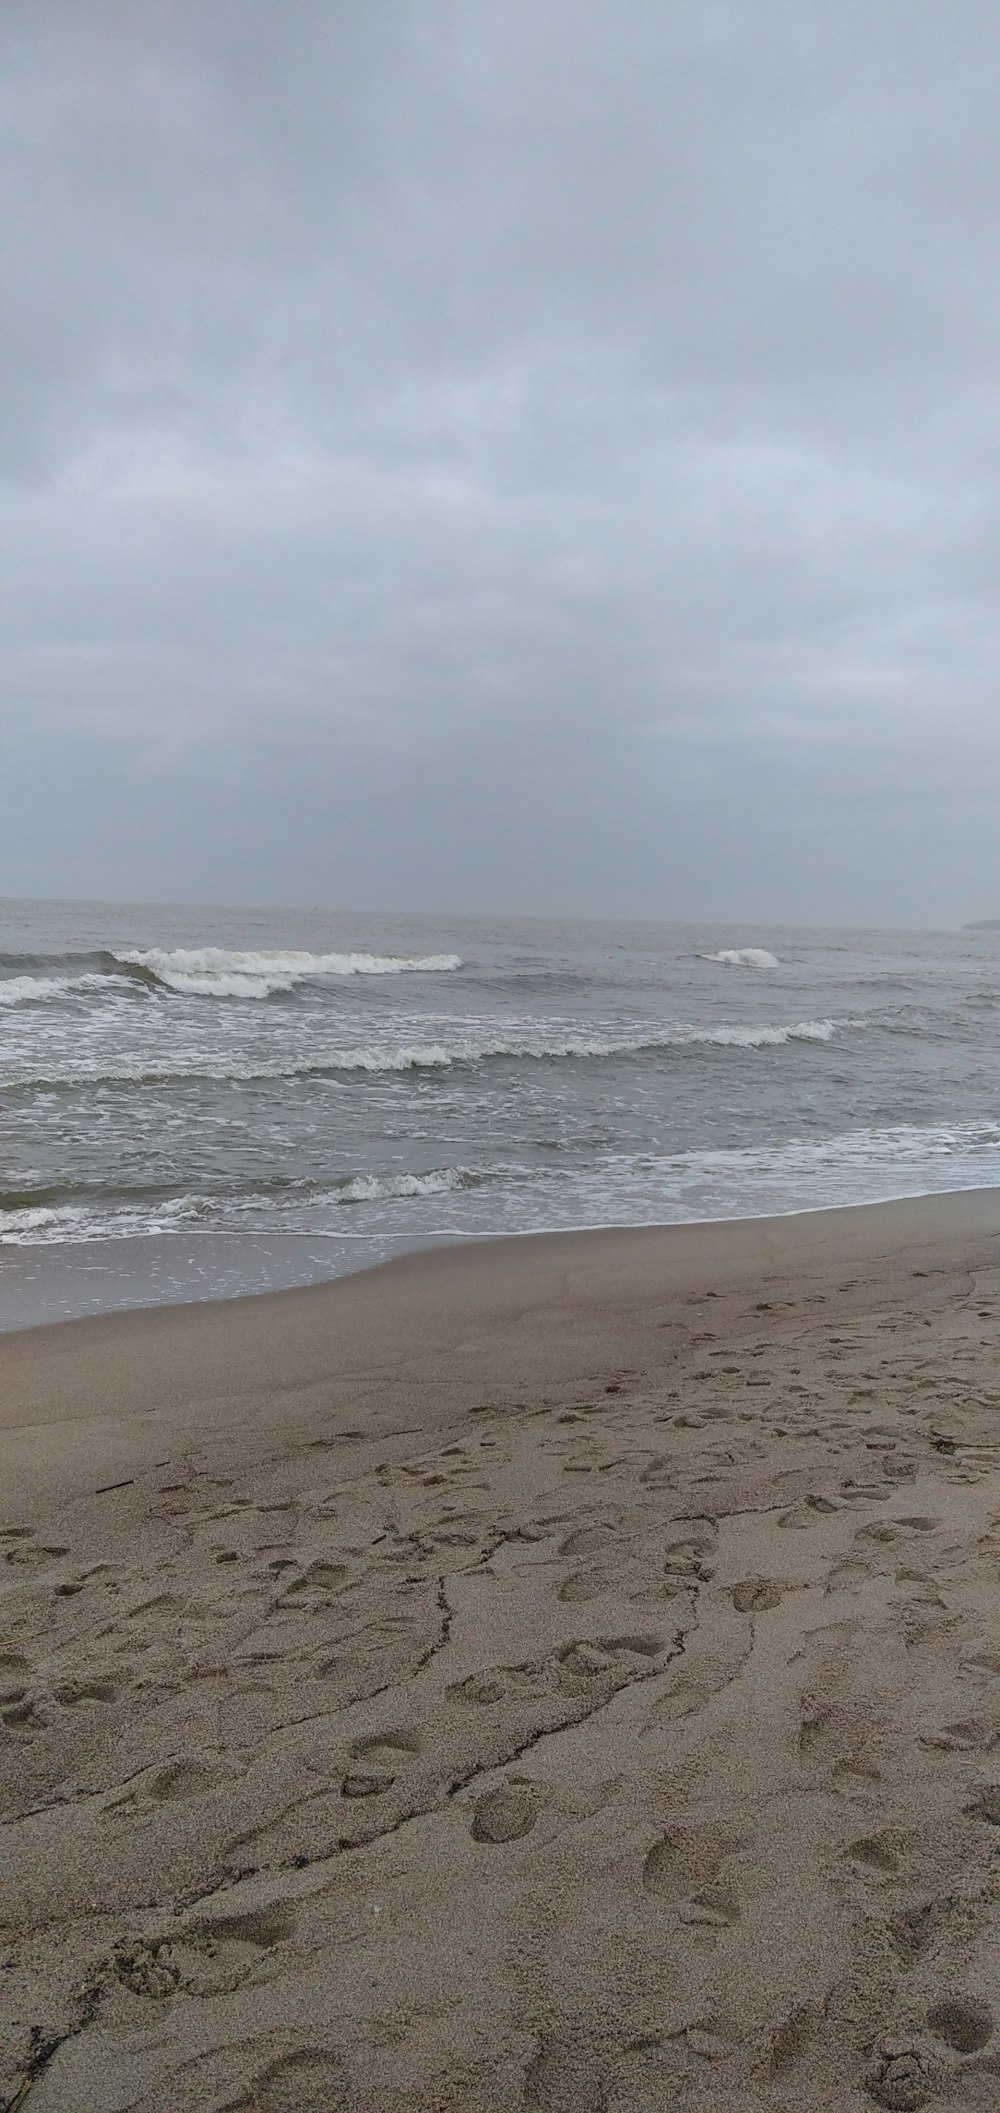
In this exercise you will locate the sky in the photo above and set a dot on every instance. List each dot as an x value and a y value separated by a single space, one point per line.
532 458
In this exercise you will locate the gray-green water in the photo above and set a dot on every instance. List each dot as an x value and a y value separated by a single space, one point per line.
271 1096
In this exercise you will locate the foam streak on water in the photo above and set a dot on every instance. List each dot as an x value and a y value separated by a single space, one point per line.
361 1083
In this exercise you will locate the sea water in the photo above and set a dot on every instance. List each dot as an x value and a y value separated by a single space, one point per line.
248 1097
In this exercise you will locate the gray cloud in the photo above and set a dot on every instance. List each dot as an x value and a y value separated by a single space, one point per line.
530 457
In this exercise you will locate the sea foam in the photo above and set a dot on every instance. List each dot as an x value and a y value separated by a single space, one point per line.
429 1056
125 1216
29 990
33 990
221 972
743 957
380 1188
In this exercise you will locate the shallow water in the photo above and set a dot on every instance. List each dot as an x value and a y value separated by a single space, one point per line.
279 1082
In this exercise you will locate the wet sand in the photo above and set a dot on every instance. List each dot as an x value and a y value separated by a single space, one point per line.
556 1676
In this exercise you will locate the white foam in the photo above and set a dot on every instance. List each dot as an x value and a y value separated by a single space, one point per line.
864 1165
27 990
379 1188
15 1225
744 957
32 990
420 1056
771 1037
53 1224
220 972
552 1047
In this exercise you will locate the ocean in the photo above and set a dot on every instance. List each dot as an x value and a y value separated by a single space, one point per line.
201 1101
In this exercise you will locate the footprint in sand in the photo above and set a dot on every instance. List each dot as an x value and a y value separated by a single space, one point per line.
686 1562
800 1517
963 2022
20 1709
902 2076
16 1671
685 1869
26 1549
601 1666
978 1665
711 2039
315 1587
215 1954
970 1735
18 1544
309 2077
915 1929
262 1927
588 1660
582 1585
85 1687
793 2037
507 1813
379 1760
861 1492
658 1473
756 1595
588 1540
563 2076
873 1857
188 1778
495 1684
714 1908
147 1968
985 1805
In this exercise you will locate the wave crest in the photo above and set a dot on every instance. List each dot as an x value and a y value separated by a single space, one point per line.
744 957
30 990
221 972
33 990
29 1216
381 1188
433 1056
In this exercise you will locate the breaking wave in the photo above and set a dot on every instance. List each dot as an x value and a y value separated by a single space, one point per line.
219 972
380 1188
434 1056
18 1227
27 1216
203 972
30 990
858 1166
34 990
743 957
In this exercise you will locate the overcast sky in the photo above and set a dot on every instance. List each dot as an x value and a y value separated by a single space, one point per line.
502 454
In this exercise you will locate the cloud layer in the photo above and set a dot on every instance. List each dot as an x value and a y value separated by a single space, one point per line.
533 458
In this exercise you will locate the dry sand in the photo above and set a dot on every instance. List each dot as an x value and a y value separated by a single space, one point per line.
562 1676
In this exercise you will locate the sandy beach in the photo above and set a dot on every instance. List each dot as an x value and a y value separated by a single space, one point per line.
554 1676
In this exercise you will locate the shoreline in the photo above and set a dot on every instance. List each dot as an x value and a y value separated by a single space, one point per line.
167 1279
359 1642
167 1359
